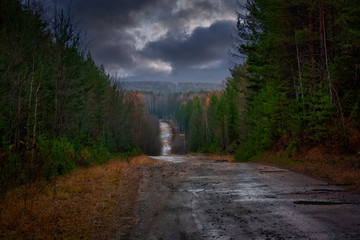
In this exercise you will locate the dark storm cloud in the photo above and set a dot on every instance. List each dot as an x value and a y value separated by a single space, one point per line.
106 22
111 48
203 46
134 37
112 55
112 14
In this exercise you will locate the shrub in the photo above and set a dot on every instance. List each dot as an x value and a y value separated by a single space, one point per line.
60 155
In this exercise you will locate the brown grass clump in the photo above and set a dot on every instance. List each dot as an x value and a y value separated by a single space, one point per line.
90 203
142 161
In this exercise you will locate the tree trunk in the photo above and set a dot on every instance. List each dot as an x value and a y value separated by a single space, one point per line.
323 47
299 69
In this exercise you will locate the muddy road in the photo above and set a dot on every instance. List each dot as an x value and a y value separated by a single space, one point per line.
186 197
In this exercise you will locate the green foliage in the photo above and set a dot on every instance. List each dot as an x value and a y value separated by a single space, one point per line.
60 155
265 115
318 109
11 169
58 109
248 153
299 85
97 153
213 123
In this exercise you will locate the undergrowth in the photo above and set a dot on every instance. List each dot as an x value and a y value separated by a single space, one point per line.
52 158
89 203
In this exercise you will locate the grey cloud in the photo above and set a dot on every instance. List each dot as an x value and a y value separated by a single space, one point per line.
113 14
203 46
196 10
115 55
107 23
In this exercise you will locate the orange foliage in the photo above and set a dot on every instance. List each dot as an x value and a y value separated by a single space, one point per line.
207 102
140 97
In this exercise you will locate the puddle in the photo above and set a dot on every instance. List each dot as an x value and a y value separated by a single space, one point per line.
196 190
204 177
172 159
273 171
327 190
323 202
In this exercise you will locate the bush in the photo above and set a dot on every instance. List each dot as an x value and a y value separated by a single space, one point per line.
99 153
10 170
248 153
60 156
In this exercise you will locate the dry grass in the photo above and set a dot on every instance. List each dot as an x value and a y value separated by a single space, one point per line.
214 157
142 161
91 203
336 171
343 170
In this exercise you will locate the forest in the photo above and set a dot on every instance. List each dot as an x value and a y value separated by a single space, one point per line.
58 109
297 89
74 139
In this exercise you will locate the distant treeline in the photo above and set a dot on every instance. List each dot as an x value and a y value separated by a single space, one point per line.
58 109
166 88
299 85
166 106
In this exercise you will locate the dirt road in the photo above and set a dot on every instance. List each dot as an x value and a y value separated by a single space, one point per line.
197 198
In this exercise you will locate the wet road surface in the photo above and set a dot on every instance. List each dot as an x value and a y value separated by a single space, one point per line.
187 197
165 138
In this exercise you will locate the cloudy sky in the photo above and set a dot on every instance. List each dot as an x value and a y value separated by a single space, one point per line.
166 40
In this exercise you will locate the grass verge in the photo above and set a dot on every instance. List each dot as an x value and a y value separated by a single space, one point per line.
90 203
213 157
342 170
